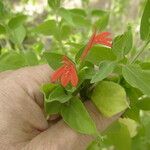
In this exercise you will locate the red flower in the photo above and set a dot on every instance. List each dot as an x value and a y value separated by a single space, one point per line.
100 38
66 73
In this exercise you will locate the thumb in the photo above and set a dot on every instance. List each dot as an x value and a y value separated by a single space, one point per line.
31 79
61 136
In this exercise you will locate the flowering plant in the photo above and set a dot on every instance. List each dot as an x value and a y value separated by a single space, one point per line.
103 71
110 71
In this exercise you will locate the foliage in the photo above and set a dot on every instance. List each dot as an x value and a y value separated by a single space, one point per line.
116 79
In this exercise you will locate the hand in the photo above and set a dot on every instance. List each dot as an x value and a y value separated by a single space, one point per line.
22 121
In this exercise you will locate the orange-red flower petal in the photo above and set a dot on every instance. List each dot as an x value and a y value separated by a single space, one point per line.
66 73
65 78
57 74
67 61
103 38
88 46
74 77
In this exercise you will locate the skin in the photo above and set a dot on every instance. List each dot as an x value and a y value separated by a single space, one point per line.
23 125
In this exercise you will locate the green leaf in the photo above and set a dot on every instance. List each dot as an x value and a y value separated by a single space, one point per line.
18 35
141 140
131 125
54 4
94 145
79 18
100 53
11 60
1 7
53 59
80 21
50 107
145 22
109 98
48 27
98 12
2 10
58 94
87 70
76 116
38 48
119 136
31 58
145 65
105 69
78 11
102 23
17 21
66 15
2 29
47 88
65 31
122 44
144 103
137 78
133 111
79 53
74 19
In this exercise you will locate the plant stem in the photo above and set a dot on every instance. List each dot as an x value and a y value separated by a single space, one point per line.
139 52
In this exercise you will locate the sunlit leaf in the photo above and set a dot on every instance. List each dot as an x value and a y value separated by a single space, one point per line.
109 98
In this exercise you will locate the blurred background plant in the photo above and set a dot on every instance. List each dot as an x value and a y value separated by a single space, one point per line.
30 27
